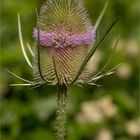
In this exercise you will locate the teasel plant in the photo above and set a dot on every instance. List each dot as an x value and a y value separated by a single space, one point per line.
64 43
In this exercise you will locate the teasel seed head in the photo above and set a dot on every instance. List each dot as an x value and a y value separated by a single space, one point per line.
65 35
64 45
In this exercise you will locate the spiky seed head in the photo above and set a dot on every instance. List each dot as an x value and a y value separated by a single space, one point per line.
65 36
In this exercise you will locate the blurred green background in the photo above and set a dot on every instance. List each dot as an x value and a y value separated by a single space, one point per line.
109 112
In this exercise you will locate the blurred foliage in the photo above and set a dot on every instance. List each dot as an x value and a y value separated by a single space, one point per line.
28 114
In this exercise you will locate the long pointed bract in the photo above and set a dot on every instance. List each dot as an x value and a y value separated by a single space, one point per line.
26 85
30 49
109 72
92 51
101 16
22 44
19 77
109 59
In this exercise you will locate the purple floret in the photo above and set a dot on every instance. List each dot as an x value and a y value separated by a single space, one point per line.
65 39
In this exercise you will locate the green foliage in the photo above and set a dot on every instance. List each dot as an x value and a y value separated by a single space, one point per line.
28 114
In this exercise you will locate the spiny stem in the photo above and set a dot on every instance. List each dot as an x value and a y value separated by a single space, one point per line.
61 113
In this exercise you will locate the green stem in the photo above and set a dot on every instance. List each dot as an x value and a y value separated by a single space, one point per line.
61 113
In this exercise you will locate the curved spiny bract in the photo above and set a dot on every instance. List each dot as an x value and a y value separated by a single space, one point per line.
65 37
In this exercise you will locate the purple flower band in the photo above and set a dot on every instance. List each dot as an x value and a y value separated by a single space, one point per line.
64 39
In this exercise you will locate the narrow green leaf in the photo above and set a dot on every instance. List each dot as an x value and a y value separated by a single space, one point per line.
101 16
18 77
109 59
15 85
30 49
111 71
22 44
103 75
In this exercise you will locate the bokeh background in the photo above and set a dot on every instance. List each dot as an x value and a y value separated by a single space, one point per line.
108 112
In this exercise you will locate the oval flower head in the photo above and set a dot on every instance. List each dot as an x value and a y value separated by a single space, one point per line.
63 38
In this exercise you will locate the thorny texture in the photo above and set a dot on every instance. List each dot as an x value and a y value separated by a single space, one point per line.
65 36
